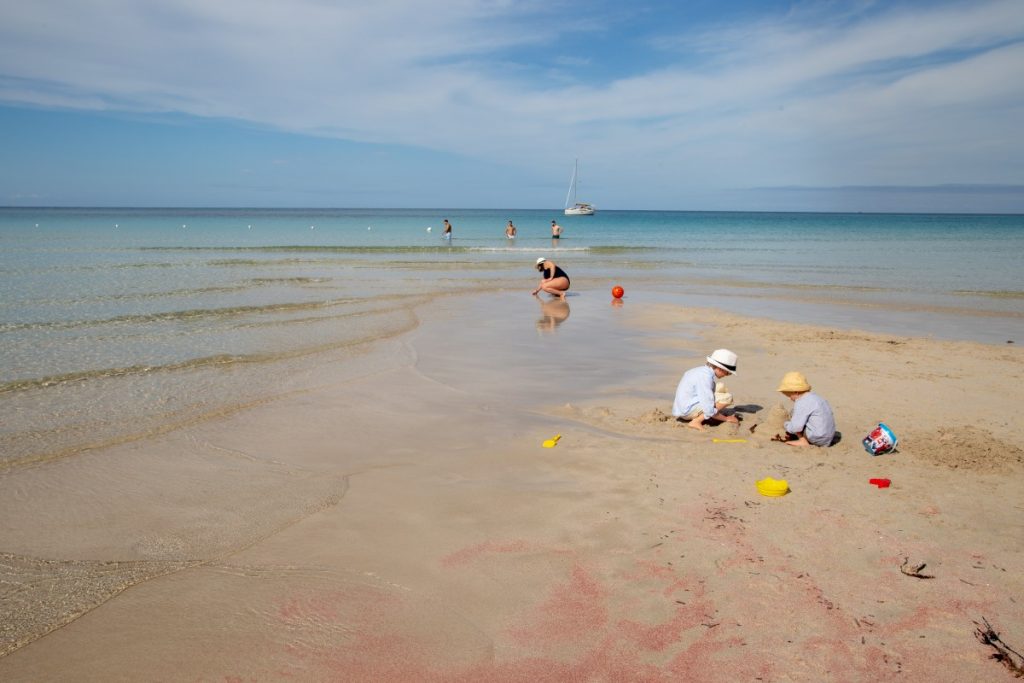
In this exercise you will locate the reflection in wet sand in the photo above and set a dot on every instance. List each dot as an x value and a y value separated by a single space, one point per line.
553 314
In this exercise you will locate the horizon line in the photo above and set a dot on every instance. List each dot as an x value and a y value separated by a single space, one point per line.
470 208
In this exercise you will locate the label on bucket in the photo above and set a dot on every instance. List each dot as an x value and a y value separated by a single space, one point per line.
881 440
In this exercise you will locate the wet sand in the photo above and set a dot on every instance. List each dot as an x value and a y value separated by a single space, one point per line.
406 524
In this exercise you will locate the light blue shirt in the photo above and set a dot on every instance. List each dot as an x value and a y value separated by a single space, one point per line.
697 387
812 415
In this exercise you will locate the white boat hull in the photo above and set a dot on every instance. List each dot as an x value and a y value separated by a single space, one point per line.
580 210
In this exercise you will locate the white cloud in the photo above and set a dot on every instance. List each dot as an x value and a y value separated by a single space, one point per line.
864 97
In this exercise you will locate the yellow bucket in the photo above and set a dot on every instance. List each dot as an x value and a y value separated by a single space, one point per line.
773 487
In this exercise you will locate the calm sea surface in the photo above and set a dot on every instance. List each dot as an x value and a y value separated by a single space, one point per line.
121 322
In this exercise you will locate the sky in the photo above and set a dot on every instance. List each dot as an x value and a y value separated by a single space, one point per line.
668 105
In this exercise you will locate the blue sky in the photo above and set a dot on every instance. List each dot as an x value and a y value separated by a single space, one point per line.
842 106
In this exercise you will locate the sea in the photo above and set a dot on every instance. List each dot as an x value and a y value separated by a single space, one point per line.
120 323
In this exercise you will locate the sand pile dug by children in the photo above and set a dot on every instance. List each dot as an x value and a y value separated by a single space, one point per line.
967 448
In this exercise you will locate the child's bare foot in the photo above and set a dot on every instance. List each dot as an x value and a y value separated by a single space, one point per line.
697 424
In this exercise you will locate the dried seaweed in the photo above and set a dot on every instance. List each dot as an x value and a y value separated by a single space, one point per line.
1006 655
914 571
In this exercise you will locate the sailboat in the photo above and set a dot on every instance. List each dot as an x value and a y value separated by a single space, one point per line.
578 208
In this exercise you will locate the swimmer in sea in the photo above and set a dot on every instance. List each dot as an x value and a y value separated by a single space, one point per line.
447 234
556 231
554 280
510 231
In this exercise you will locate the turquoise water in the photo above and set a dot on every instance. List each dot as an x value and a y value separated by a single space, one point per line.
926 253
154 317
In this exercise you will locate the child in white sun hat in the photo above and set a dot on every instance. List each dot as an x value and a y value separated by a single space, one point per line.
700 396
812 423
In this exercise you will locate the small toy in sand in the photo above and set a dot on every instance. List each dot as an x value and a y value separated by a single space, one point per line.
773 487
618 291
551 443
729 440
880 483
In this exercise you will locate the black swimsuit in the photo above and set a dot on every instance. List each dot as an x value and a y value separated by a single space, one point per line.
559 273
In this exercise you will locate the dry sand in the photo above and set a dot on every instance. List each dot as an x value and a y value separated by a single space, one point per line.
408 525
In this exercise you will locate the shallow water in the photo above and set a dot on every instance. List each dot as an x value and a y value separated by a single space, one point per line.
117 323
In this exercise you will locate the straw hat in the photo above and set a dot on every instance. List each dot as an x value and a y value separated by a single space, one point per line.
793 381
725 359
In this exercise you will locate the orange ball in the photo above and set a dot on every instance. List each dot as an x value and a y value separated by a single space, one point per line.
617 292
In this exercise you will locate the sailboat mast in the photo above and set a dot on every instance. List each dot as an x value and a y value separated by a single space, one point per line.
572 185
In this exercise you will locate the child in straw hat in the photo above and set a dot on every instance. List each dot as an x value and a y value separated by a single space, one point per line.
812 422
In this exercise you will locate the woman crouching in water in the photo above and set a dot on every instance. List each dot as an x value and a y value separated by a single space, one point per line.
554 280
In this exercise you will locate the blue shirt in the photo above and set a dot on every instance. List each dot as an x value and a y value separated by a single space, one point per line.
696 388
812 415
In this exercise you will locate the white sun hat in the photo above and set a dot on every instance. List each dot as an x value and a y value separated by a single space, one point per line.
541 260
725 359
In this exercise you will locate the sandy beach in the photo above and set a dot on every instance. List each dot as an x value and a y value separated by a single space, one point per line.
398 519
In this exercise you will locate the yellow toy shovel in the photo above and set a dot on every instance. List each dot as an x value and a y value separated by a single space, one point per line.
551 443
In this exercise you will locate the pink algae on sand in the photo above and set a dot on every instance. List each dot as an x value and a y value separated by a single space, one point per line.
308 608
585 628
473 552
658 637
313 607
572 611
580 630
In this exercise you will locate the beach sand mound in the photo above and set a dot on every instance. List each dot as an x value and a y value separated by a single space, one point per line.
655 416
593 414
967 448
775 420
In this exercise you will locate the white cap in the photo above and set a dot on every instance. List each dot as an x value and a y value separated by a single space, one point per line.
541 260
